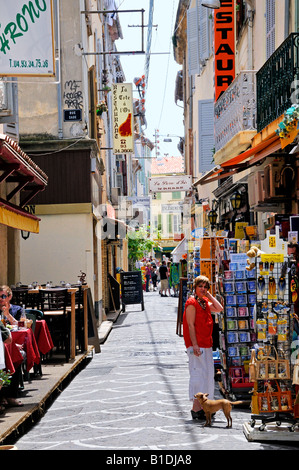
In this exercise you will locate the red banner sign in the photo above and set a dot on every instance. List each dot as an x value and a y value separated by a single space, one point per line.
224 27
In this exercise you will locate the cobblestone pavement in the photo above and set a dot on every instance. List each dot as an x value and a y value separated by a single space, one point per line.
133 396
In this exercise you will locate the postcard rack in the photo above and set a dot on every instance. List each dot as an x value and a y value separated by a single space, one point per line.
272 399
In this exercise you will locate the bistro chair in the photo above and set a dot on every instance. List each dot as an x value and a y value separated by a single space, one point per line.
20 296
34 314
54 305
38 314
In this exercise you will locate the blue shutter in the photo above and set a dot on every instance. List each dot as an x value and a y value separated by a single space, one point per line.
193 41
204 42
206 139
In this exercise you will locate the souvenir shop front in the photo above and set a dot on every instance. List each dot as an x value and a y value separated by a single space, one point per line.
258 341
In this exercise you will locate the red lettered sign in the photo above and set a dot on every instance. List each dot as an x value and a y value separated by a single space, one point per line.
224 28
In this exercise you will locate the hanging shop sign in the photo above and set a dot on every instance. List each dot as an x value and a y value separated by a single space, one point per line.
122 115
170 183
172 208
224 21
27 38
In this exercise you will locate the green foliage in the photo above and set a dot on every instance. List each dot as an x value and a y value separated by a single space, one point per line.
4 379
140 243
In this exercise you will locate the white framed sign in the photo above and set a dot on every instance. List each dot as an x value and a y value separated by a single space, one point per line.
27 38
123 126
170 184
172 208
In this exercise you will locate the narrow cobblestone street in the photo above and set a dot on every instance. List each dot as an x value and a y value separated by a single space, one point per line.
133 396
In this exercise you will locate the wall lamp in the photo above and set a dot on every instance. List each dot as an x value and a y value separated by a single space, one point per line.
211 3
236 201
212 216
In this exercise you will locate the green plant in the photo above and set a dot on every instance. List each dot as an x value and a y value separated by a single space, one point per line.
140 243
101 108
4 379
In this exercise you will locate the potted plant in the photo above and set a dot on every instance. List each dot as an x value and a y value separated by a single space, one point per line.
101 108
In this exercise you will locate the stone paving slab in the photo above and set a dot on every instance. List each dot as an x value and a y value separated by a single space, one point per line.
133 396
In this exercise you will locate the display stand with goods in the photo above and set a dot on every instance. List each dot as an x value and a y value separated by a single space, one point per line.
236 336
271 369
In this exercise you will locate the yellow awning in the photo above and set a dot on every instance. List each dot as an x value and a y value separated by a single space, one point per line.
18 219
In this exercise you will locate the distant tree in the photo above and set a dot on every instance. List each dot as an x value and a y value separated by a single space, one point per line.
141 243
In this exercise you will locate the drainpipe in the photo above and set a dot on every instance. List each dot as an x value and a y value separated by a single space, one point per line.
58 71
251 12
287 17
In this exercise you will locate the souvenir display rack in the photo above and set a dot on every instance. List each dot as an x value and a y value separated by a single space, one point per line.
273 395
236 336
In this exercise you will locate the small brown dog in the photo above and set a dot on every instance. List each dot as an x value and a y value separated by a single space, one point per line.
211 406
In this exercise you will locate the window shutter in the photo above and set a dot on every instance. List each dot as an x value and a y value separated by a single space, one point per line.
270 28
204 42
193 41
206 137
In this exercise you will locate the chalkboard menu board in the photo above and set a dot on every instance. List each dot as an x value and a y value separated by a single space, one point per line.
131 288
183 296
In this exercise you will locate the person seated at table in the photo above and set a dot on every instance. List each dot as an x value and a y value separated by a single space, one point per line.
12 313
8 395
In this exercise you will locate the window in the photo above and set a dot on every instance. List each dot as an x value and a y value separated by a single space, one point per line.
176 223
206 137
176 195
199 37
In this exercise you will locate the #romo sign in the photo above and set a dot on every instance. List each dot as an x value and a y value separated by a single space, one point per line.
170 184
26 38
224 21
122 115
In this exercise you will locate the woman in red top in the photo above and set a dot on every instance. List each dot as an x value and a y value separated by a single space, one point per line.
197 331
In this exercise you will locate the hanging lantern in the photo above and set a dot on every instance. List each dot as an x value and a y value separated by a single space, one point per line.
236 201
212 216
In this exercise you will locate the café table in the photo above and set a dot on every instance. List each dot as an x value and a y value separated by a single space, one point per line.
26 338
43 337
13 357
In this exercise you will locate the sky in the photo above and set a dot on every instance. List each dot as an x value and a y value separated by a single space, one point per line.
161 111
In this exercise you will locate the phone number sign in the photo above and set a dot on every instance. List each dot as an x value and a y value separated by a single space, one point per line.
27 38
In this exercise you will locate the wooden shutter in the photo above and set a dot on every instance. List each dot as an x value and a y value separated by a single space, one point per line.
204 34
206 139
193 41
270 28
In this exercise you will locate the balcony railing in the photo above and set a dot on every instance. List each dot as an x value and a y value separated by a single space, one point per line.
235 110
277 82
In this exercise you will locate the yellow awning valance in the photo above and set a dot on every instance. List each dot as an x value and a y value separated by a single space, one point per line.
18 219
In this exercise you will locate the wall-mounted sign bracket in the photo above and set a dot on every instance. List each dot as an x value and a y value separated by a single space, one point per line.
142 26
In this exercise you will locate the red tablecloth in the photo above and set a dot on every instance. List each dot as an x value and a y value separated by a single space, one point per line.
43 336
27 339
12 356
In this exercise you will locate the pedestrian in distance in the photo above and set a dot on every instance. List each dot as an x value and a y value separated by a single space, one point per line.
163 279
197 332
148 275
154 277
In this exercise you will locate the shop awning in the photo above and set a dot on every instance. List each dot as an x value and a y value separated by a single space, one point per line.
13 216
26 178
241 162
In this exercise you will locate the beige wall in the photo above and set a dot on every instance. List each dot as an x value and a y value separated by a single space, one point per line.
63 247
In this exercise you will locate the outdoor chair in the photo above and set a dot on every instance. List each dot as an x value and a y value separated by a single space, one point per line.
54 305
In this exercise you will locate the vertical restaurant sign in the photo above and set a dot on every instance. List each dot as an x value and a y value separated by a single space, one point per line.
224 27
27 38
123 130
